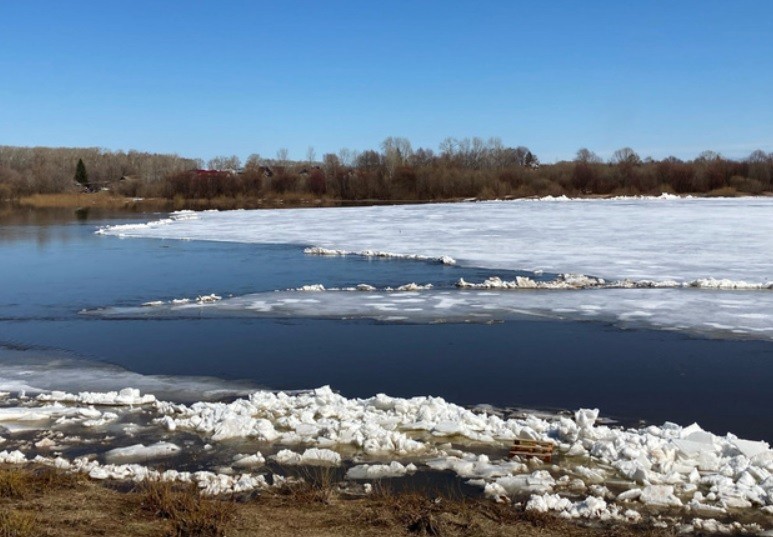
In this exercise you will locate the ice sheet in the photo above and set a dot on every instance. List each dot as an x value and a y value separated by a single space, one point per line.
712 313
35 371
658 239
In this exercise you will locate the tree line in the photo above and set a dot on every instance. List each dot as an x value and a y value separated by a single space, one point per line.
472 167
46 170
460 168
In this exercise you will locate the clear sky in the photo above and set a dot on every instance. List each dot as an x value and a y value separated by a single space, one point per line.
204 78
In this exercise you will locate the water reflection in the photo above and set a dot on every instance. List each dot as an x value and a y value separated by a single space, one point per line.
51 224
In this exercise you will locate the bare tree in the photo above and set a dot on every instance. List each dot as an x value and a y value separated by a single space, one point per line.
708 156
311 155
223 162
626 156
282 156
346 156
254 162
587 156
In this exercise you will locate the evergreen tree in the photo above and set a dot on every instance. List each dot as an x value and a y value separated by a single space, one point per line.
80 173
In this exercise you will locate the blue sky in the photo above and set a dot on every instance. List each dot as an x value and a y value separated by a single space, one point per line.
208 78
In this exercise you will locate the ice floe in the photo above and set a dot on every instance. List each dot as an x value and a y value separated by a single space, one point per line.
626 238
725 314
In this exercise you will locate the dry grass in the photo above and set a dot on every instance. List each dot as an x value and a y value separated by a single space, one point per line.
724 192
56 504
17 524
99 199
14 484
188 513
18 483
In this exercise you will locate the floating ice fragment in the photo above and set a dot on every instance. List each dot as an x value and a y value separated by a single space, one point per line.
140 452
379 471
256 459
207 299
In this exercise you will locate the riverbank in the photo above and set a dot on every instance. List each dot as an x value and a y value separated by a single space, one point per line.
37 501
111 201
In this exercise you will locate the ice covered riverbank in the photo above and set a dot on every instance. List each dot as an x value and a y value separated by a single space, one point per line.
606 472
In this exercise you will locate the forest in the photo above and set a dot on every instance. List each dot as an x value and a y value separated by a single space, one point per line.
460 168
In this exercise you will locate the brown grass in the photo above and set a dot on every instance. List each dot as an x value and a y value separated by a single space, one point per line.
19 484
17 524
724 192
98 199
188 513
57 504
14 484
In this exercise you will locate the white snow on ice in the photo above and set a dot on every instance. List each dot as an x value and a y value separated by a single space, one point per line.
657 239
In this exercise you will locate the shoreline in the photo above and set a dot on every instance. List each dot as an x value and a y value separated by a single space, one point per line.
655 476
41 501
109 201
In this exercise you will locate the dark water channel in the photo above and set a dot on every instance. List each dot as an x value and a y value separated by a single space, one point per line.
52 266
